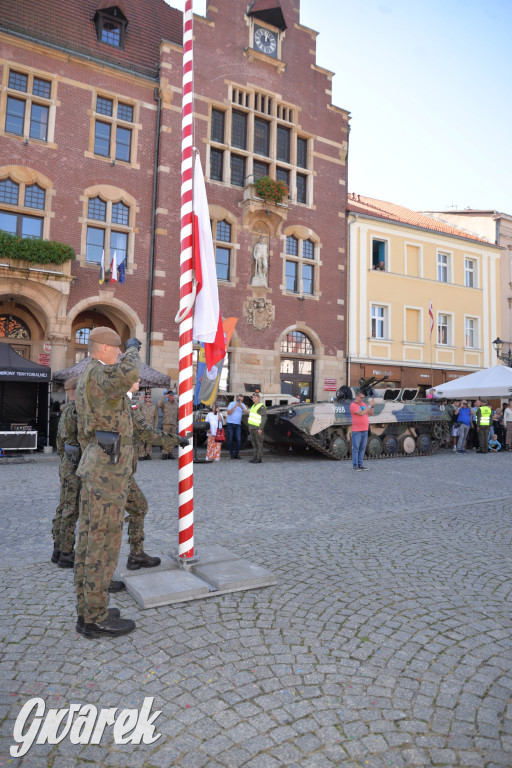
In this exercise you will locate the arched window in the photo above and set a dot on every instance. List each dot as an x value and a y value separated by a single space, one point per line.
109 230
12 327
297 371
14 200
81 342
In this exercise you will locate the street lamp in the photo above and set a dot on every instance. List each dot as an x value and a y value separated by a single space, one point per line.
507 356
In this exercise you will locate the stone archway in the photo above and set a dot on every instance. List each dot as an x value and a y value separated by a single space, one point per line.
93 312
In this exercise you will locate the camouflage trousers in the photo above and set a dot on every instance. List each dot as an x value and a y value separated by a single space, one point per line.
169 429
136 509
66 514
257 442
100 531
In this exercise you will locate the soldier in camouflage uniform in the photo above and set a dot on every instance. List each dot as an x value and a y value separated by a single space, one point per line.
68 449
169 408
137 505
150 414
105 434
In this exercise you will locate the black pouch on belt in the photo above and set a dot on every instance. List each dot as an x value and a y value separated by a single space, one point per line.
110 443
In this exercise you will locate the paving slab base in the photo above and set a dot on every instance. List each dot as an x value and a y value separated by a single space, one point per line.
217 571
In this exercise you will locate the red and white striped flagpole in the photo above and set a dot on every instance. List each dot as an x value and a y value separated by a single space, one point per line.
186 466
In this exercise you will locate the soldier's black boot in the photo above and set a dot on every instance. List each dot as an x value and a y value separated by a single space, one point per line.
55 555
109 628
116 586
113 613
66 560
141 560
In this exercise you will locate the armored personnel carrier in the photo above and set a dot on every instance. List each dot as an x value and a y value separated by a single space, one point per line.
403 424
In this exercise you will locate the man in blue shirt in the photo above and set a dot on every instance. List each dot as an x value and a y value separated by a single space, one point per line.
235 411
463 414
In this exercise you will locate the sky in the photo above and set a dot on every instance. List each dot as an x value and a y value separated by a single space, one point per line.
428 84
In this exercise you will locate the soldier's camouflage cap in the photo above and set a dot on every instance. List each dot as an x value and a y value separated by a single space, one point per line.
71 383
104 335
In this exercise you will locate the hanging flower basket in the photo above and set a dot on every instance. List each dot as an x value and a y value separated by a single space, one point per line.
270 190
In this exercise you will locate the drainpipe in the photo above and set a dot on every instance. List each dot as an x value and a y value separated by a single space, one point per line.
157 98
350 222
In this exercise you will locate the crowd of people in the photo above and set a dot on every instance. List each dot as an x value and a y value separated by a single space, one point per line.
478 427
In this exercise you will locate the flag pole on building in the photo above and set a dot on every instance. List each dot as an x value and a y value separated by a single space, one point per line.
431 316
185 382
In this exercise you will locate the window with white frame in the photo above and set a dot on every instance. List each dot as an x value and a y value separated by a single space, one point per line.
300 266
470 273
444 329
379 255
28 105
258 136
471 332
378 321
443 267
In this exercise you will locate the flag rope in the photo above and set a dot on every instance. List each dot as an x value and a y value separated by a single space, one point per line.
185 385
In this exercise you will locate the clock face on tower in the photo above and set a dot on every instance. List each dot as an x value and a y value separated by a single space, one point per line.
265 41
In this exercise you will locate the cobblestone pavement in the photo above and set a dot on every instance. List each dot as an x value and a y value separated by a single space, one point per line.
386 642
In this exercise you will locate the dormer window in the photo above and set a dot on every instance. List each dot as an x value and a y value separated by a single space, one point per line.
111 23
111 33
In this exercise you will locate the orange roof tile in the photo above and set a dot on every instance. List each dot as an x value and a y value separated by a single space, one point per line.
382 210
70 26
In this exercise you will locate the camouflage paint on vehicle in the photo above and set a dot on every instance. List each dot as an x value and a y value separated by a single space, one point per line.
402 425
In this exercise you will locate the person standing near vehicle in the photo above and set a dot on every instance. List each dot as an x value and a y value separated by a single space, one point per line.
483 425
360 413
463 415
105 434
235 411
257 419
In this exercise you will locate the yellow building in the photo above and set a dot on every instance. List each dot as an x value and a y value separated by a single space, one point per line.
400 263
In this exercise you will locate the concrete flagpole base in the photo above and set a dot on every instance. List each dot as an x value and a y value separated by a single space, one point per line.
217 571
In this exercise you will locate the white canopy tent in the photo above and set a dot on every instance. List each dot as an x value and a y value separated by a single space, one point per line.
492 382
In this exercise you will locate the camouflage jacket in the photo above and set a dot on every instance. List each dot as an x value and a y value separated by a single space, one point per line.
101 404
150 413
67 431
146 433
169 411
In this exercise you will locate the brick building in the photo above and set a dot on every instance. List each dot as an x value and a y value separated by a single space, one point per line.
90 143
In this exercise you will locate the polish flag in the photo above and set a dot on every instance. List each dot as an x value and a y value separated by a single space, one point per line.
431 313
207 326
113 268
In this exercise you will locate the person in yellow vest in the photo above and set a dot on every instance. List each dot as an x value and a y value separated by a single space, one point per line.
257 419
483 425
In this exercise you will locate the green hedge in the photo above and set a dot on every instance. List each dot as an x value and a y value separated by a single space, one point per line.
33 249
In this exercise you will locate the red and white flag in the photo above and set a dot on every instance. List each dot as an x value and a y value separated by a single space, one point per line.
113 268
207 326
431 313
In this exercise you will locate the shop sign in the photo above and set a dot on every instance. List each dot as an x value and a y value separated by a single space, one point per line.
44 359
330 385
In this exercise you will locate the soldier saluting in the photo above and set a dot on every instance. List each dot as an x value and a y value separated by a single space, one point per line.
105 433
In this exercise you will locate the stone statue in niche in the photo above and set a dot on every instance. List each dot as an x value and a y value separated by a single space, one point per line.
259 313
260 256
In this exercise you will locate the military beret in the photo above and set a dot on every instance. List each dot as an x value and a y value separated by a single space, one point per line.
104 335
71 383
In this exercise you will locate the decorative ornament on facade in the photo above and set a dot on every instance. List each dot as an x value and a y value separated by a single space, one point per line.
259 313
